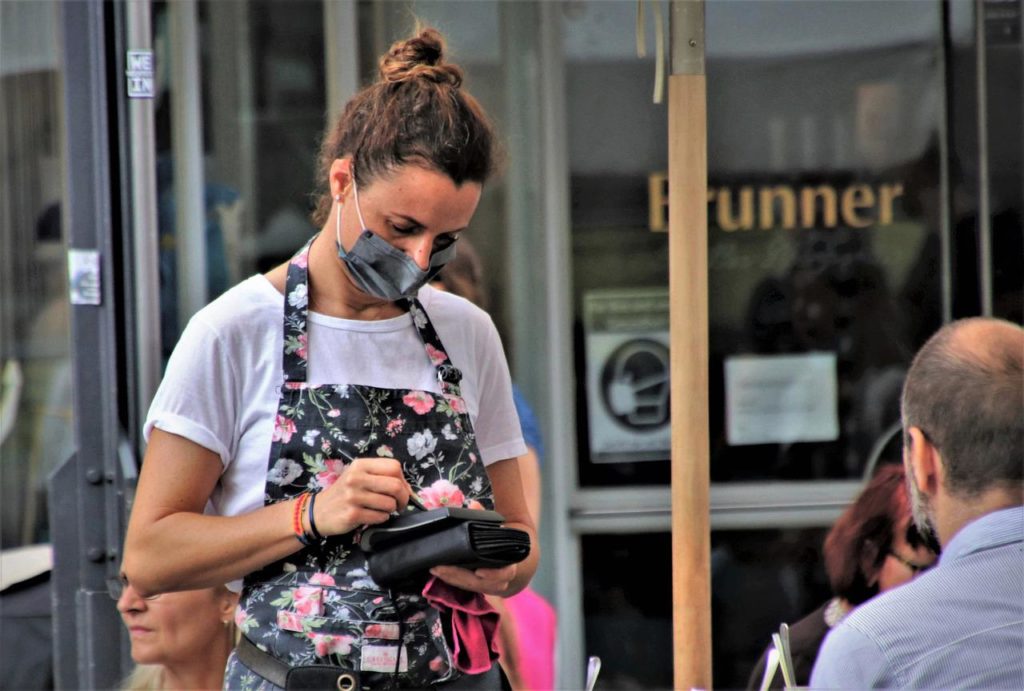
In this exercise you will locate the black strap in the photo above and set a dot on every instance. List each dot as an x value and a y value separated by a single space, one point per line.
264 664
307 677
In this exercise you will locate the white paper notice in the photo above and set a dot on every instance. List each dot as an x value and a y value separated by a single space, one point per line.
84 277
772 399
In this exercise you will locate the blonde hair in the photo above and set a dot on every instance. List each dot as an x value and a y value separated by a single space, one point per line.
151 677
144 678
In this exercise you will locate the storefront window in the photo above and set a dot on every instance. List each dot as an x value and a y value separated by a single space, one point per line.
824 231
824 235
36 425
617 138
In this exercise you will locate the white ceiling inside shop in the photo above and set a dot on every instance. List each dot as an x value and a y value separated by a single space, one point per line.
27 31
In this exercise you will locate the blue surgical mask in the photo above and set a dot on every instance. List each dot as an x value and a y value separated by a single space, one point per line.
384 271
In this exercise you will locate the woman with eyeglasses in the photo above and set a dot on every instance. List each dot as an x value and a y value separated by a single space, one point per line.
179 640
872 547
319 398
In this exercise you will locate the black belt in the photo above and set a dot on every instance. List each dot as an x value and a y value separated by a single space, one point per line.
287 677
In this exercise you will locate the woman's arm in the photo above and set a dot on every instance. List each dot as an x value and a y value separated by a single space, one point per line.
171 545
510 503
529 472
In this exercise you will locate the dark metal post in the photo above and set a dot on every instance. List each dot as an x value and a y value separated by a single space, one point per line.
85 495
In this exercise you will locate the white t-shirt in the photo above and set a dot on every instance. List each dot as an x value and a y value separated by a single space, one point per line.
222 383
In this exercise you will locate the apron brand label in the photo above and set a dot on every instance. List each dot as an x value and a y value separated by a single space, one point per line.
382 658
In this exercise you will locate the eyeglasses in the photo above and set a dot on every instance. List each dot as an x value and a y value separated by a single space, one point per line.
915 567
116 587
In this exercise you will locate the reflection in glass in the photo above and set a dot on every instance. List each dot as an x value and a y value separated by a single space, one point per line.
264 102
824 222
36 432
617 137
759 578
823 206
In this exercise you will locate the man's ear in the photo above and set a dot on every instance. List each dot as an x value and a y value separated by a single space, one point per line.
924 462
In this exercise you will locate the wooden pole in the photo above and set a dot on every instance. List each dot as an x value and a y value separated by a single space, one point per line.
688 320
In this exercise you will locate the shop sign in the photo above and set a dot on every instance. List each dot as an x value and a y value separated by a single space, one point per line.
785 206
140 74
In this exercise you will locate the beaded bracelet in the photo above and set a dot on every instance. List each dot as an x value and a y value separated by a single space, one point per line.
312 522
297 519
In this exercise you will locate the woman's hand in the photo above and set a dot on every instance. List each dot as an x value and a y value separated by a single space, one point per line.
486 581
368 491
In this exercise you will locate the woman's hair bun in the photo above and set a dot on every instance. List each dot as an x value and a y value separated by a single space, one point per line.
419 57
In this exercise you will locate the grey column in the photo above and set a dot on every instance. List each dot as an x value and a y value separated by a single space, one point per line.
86 515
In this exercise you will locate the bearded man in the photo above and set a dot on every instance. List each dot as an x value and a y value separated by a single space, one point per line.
961 624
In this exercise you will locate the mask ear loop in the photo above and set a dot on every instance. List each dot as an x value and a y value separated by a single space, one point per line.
337 220
355 191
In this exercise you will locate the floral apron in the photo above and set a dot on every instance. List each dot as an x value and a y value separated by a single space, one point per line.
320 605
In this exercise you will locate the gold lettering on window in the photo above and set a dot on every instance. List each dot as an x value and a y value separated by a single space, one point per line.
786 207
808 213
786 198
726 218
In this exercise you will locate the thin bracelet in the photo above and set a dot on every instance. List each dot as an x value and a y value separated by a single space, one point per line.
297 519
312 523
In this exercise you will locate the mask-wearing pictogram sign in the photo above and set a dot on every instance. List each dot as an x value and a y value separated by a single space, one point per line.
627 374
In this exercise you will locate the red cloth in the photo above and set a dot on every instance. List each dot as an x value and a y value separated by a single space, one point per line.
474 625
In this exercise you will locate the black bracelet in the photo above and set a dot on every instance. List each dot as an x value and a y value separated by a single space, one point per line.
312 523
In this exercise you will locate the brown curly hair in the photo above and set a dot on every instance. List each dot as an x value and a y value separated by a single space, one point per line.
417 111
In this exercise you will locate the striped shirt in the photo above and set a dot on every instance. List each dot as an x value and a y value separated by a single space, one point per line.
959 625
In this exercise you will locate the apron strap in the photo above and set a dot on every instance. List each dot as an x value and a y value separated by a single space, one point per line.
296 309
448 375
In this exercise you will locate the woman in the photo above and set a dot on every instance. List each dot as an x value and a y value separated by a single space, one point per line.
179 640
365 385
872 547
